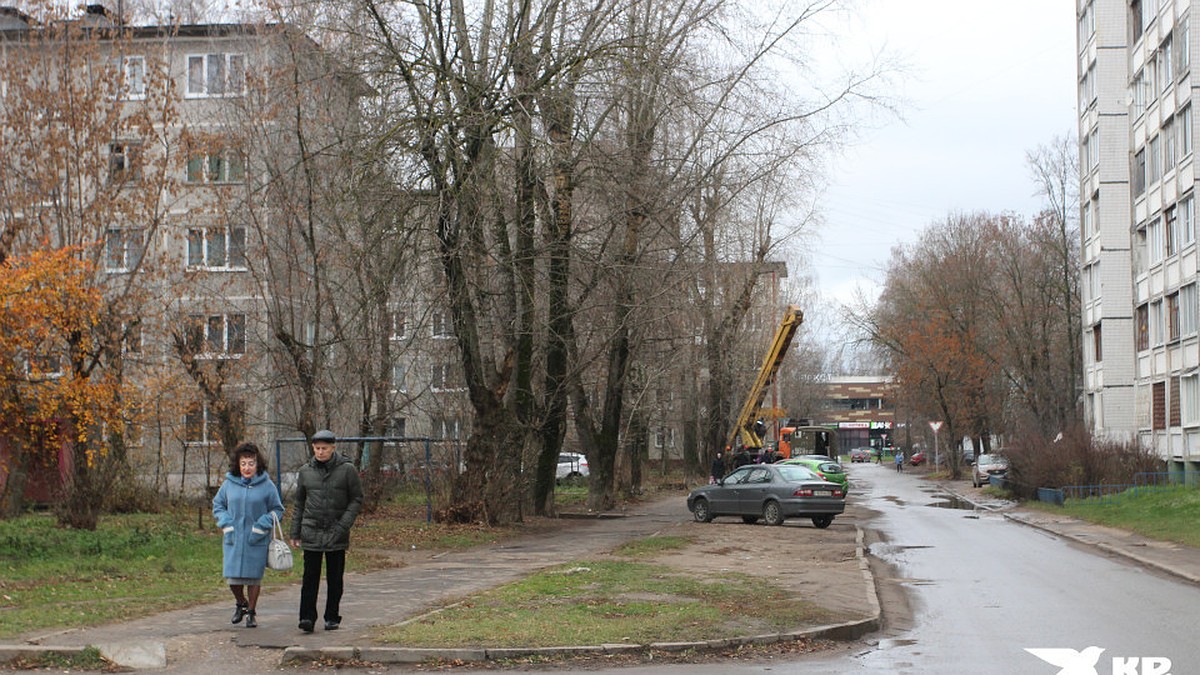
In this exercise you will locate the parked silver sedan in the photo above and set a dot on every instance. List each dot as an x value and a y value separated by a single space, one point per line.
772 492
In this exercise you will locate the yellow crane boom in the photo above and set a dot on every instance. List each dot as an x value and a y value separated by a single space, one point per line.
751 440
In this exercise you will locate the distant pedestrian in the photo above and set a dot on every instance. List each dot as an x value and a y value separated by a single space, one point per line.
741 457
899 461
328 497
718 468
245 508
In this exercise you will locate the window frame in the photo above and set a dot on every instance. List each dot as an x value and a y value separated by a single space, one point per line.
217 336
201 88
131 256
200 240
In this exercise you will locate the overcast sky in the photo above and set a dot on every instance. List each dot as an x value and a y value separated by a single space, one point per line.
985 82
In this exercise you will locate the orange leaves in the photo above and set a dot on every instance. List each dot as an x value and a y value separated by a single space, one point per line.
50 312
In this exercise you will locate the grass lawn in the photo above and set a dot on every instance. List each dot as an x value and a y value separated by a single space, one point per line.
609 601
1169 514
138 564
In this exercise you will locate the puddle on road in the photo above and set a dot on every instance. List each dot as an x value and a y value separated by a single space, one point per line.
952 502
888 643
881 549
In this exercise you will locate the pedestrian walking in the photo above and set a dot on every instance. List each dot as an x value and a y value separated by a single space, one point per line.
245 507
328 498
717 471
899 461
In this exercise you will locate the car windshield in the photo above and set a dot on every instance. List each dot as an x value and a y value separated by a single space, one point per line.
990 459
795 472
830 467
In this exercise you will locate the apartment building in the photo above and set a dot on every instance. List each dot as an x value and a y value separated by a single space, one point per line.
180 175
1140 262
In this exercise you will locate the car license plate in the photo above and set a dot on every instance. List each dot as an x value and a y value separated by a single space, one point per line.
821 493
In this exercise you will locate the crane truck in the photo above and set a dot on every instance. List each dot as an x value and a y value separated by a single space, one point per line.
749 428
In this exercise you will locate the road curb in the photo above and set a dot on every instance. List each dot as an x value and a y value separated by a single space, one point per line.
1109 548
1176 572
844 631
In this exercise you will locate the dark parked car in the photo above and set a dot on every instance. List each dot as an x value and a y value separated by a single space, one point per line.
772 492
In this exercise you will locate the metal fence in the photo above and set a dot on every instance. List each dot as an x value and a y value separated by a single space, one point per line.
1151 481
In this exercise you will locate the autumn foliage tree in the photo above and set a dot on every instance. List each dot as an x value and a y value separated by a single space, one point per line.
58 401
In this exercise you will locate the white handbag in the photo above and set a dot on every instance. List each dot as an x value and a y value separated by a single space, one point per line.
279 555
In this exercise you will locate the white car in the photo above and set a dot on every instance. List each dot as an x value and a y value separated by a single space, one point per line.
571 465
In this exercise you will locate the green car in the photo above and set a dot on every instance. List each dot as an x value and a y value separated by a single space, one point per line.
824 467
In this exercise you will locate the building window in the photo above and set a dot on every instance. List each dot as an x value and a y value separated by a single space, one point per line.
1158 405
219 167
1154 160
1172 317
123 247
1186 212
443 327
1183 55
216 75
1143 327
1139 173
396 427
1169 137
131 337
1165 64
1139 93
216 247
202 424
1154 240
131 77
1187 310
1171 236
445 377
1183 130
1174 416
445 428
1189 399
217 335
1097 344
1093 149
399 375
124 162
1158 328
398 318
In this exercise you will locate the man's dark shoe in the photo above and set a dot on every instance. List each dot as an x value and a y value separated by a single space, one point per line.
332 624
239 610
306 625
250 621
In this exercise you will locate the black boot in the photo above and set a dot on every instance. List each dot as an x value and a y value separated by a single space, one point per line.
239 610
250 622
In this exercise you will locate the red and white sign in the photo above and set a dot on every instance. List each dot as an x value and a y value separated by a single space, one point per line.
935 425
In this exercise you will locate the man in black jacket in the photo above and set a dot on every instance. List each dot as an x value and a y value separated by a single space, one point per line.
328 497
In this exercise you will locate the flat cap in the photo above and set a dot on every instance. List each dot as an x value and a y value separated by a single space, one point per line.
325 436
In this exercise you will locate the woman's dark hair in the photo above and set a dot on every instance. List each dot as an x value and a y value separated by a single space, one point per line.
247 450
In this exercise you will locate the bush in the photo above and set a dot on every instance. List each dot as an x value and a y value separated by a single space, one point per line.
1075 459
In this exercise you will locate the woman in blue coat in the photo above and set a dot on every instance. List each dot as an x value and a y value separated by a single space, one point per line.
243 508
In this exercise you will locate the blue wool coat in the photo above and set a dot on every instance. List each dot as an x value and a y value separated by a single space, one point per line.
243 512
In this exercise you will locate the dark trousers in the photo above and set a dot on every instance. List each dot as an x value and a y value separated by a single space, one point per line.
335 562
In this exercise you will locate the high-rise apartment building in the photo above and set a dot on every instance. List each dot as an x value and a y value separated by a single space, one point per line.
1140 259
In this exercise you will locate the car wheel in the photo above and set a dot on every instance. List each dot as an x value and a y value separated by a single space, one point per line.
822 522
749 520
772 513
701 511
